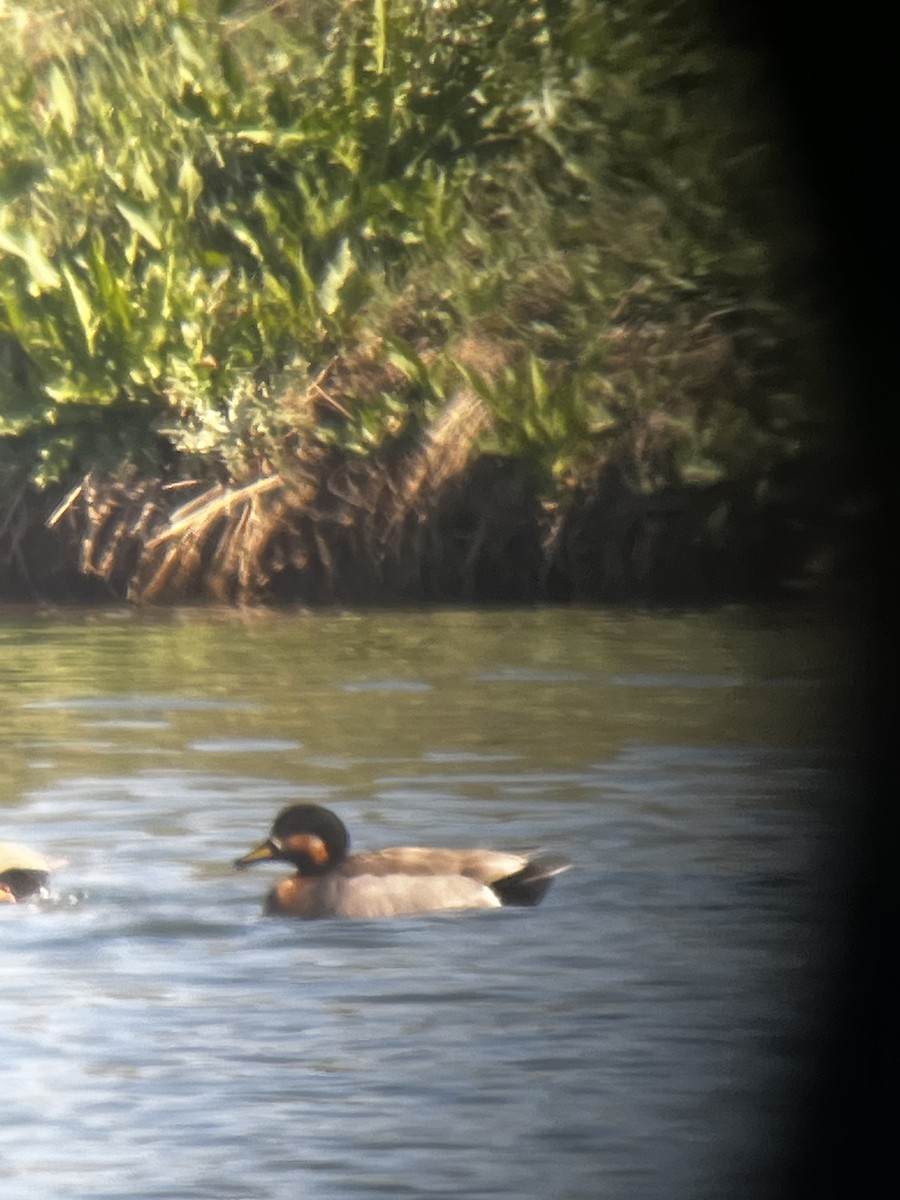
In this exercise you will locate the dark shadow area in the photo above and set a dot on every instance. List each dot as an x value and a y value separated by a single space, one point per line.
828 76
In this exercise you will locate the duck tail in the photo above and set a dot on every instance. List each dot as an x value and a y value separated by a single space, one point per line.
526 888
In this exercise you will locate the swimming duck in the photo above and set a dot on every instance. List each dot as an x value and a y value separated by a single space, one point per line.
23 872
399 881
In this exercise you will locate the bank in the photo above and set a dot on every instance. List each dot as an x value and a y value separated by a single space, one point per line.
380 303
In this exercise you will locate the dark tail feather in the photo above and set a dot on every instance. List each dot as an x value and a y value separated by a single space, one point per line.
527 887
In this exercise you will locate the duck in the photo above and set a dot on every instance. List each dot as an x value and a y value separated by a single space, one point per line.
23 872
398 881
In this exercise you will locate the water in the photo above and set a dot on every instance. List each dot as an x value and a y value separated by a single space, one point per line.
647 1032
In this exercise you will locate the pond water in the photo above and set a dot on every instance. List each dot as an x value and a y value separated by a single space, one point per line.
649 1031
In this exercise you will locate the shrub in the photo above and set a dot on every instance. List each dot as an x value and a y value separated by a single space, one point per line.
207 204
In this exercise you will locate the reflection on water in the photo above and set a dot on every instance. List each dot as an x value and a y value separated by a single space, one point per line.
646 1033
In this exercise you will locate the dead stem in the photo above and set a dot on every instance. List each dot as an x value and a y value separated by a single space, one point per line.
198 514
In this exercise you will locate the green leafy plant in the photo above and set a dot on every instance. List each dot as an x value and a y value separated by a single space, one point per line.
202 200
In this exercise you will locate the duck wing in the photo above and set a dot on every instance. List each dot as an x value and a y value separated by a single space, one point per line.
381 894
485 866
416 879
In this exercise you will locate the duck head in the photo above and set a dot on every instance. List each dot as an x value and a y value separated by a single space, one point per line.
308 836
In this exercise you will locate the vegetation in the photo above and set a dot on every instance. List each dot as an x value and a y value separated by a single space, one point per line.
357 245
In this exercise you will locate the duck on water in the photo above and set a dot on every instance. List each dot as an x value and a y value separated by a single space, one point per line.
399 881
23 872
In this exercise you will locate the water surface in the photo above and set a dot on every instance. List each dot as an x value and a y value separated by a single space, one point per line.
648 1032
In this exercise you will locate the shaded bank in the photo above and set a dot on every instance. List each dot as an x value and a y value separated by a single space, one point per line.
419 526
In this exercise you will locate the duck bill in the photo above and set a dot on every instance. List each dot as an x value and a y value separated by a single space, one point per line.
262 853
